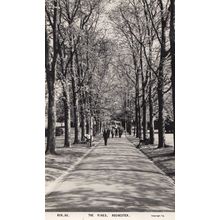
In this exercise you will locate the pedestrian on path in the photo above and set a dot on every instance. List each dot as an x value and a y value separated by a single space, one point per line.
105 135
112 132
108 130
120 132
116 132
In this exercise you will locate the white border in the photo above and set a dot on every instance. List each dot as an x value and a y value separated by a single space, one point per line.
22 109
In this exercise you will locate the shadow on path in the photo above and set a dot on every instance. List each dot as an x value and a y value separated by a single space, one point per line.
116 177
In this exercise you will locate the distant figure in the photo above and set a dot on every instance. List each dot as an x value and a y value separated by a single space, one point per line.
116 132
105 135
108 130
120 132
112 132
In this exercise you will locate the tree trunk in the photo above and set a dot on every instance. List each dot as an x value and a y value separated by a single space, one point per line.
172 48
51 134
82 117
143 98
139 119
75 113
87 125
96 125
129 127
82 125
51 78
160 89
67 138
100 127
151 112
144 114
161 125
137 109
136 116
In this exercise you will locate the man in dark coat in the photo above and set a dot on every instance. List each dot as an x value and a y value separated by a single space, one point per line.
108 130
105 135
120 132
112 132
116 132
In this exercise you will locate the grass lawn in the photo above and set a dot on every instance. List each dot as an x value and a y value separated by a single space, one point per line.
162 157
55 165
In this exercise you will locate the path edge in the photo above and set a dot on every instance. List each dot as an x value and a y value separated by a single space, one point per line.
50 188
169 178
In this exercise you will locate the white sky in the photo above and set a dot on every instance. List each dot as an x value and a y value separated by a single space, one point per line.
104 21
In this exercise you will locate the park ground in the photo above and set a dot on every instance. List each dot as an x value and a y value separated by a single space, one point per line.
55 165
114 177
164 158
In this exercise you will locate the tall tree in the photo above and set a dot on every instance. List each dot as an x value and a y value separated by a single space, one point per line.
67 18
51 54
158 15
172 50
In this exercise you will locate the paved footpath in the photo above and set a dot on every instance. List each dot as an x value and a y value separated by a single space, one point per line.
116 177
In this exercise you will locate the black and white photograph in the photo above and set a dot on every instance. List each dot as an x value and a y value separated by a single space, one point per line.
110 109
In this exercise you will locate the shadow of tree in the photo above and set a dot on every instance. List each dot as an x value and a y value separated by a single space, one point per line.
116 177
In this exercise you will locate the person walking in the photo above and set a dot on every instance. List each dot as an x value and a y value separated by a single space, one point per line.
116 132
112 132
105 135
108 130
120 132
